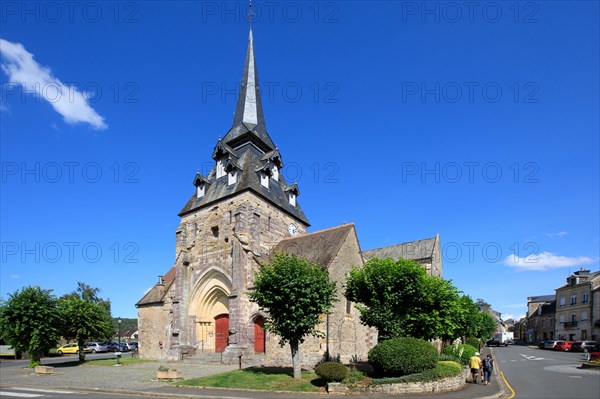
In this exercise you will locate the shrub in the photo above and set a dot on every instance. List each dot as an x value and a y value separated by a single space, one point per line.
474 342
463 352
331 371
401 356
441 370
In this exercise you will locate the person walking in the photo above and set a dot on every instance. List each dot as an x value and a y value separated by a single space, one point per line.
488 369
475 365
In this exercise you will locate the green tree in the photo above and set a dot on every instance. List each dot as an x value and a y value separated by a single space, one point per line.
294 293
84 320
29 321
487 326
400 299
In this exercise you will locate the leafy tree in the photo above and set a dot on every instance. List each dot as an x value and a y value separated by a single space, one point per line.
294 293
86 316
400 299
29 321
487 325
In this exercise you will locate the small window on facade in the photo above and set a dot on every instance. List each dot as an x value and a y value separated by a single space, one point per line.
584 316
230 217
292 199
584 298
264 180
269 224
573 318
562 301
543 323
583 334
215 231
573 299
561 319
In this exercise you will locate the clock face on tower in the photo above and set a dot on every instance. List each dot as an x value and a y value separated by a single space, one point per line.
293 230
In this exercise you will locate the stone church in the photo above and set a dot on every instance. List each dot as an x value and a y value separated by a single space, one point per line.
238 215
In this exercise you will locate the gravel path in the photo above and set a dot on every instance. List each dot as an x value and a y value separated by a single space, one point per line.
134 377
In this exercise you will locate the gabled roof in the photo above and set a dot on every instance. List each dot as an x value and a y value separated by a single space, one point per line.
320 247
420 249
157 293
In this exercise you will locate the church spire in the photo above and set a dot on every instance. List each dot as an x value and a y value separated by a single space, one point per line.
249 120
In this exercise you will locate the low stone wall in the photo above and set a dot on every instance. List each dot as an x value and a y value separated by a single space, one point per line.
444 385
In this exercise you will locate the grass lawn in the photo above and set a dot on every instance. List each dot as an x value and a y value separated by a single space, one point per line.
261 378
111 362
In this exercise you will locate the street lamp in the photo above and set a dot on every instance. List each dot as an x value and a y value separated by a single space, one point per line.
119 332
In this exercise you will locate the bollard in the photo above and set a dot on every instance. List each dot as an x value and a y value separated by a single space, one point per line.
118 358
240 361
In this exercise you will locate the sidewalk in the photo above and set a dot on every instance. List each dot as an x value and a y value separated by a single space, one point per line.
140 379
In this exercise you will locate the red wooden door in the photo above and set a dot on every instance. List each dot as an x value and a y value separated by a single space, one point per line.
221 332
259 335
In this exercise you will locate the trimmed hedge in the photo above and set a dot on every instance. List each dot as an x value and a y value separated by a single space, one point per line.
463 352
401 356
331 371
441 370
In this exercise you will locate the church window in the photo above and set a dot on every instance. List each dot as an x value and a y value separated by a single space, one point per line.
292 199
230 217
269 224
215 231
275 171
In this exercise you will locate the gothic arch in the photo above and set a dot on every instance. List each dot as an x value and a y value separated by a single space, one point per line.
210 298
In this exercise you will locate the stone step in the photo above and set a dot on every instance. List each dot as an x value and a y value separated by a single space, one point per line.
212 357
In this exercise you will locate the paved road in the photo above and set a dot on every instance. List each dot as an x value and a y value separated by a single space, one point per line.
546 374
14 392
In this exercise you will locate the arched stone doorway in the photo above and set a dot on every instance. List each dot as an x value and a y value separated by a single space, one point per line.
210 306
259 334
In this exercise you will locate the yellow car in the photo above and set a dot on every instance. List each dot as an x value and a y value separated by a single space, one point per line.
71 348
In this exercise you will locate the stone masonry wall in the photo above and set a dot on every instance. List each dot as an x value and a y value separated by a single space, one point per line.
348 339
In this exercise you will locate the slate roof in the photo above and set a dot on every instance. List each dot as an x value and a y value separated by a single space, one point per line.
249 120
320 247
248 148
420 249
157 293
249 159
542 298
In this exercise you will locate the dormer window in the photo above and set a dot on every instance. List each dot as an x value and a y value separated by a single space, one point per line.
275 172
232 177
293 192
264 180
220 168
232 170
200 183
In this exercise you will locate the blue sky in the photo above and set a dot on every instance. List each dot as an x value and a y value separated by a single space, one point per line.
406 118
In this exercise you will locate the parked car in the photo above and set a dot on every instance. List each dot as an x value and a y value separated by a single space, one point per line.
123 347
585 346
563 345
495 342
113 347
71 348
550 344
96 347
131 345
541 344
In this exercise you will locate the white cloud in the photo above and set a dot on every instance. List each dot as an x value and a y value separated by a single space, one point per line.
560 234
545 261
15 276
21 68
512 316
